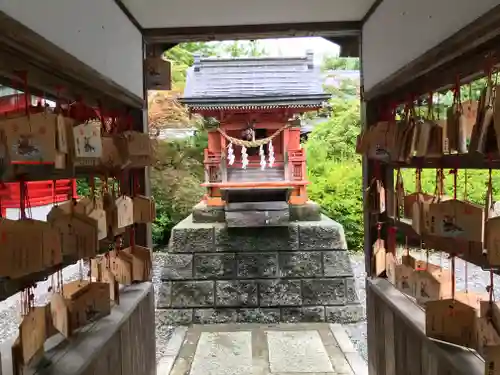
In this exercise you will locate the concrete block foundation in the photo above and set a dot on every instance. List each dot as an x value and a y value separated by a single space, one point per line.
298 272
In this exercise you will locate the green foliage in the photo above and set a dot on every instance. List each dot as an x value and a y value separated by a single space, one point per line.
175 182
340 63
337 187
335 139
238 48
82 188
181 58
335 170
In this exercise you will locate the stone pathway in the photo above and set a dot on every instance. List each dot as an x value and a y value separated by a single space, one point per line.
253 349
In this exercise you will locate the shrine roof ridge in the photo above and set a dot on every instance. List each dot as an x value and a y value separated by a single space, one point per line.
254 80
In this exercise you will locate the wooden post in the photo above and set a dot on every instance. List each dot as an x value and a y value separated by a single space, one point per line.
223 150
143 236
370 113
286 141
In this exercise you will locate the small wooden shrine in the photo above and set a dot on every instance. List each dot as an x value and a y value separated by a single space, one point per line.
251 108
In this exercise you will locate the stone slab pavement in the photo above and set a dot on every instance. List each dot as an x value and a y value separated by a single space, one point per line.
256 349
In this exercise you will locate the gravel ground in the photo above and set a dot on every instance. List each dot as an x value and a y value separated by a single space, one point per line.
477 281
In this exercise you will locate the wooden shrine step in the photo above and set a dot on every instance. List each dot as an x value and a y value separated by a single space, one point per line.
256 214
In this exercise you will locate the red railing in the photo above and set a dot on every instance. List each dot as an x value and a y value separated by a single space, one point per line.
40 193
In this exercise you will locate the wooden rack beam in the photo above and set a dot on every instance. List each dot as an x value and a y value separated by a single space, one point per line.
471 252
464 161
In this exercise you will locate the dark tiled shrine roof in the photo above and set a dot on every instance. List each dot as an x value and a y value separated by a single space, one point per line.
254 82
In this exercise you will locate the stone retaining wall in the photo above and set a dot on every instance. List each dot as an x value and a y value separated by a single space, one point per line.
297 272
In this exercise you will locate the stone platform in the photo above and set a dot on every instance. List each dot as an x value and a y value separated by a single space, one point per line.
298 272
249 349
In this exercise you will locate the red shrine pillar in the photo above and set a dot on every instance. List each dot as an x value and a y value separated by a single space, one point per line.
297 172
214 167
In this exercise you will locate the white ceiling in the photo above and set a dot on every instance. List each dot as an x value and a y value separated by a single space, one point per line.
192 13
412 28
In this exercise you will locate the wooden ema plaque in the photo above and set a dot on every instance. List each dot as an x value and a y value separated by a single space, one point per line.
379 257
110 158
420 212
34 330
454 320
438 140
100 273
492 311
32 335
410 199
114 288
124 211
158 75
457 219
144 209
120 213
93 209
31 139
430 282
424 130
96 266
28 246
376 195
489 338
136 149
142 264
493 241
79 303
122 266
87 140
111 215
79 234
399 274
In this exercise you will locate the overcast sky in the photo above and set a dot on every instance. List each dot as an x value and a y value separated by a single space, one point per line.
299 46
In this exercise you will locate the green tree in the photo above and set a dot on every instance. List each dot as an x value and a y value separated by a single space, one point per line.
175 182
239 48
181 58
340 63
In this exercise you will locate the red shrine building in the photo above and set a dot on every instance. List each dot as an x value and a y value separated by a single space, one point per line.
251 108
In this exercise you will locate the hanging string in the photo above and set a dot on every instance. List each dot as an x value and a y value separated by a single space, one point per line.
491 286
466 268
22 216
22 203
418 180
453 267
491 290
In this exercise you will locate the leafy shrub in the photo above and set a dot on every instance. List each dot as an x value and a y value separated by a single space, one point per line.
339 192
175 182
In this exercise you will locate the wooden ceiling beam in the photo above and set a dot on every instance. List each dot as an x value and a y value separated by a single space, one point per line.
235 32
